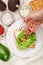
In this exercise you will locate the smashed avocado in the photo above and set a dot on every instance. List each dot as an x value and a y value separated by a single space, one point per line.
24 40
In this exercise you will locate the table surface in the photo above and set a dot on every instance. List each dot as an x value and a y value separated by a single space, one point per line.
14 60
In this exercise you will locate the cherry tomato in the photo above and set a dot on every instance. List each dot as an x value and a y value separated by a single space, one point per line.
1 30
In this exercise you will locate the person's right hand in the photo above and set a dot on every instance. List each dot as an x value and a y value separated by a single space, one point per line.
33 21
35 15
31 26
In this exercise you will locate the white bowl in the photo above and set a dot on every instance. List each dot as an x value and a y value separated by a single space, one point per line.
25 13
7 18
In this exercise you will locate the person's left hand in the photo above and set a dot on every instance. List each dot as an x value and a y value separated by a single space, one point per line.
31 26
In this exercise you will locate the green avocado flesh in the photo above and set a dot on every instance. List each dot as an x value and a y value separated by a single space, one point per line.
24 40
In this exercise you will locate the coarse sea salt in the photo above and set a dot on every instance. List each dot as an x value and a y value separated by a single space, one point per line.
7 18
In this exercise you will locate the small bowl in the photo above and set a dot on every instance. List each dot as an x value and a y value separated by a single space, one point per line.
7 14
28 8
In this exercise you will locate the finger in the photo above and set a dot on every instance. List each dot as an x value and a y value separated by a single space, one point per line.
28 31
27 25
32 29
31 25
35 28
27 28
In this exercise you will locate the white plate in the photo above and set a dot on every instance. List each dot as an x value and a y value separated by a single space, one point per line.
12 42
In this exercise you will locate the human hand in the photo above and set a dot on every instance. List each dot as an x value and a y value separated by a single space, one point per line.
33 21
36 15
32 26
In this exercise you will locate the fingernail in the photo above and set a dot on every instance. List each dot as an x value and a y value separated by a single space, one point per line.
28 31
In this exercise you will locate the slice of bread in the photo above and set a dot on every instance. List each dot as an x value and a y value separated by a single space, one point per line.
33 45
16 33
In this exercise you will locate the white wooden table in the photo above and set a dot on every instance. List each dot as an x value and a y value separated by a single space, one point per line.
14 60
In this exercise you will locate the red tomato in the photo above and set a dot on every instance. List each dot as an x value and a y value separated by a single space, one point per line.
1 30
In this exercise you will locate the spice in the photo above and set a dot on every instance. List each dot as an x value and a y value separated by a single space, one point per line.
7 18
24 11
